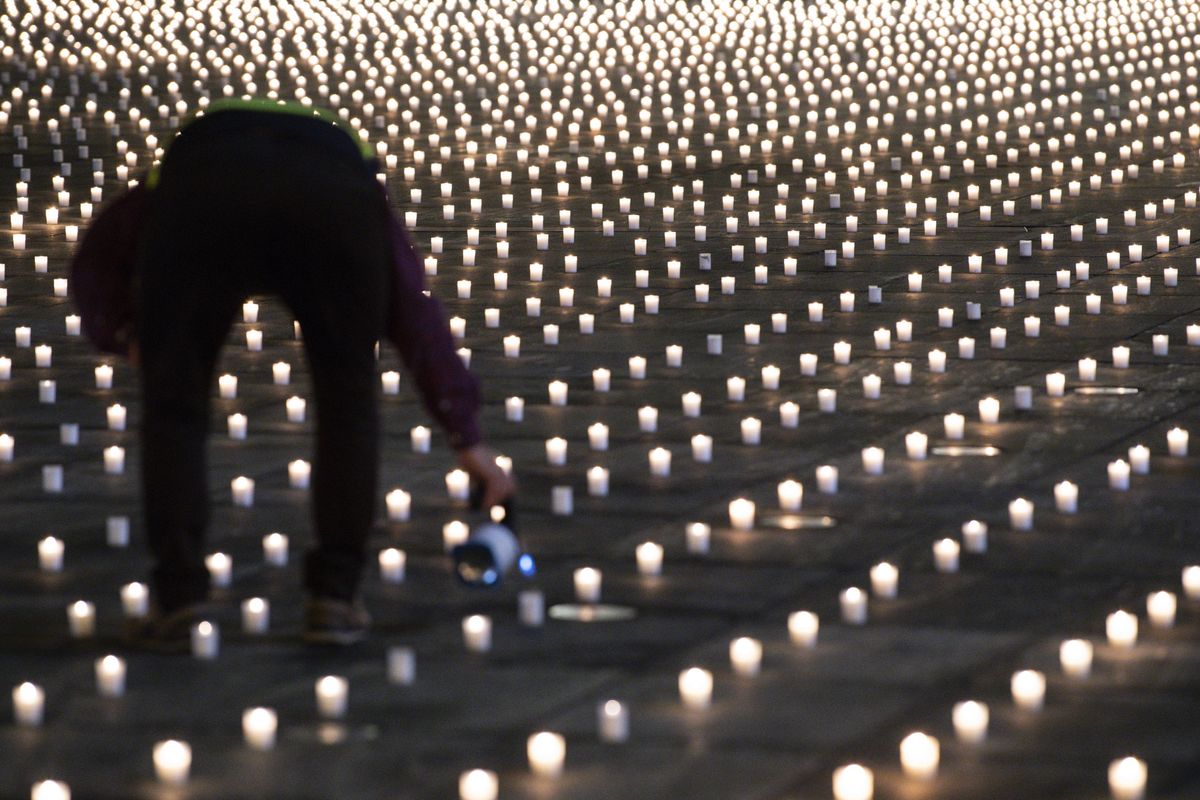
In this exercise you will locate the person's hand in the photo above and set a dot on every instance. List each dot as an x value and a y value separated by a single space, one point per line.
480 463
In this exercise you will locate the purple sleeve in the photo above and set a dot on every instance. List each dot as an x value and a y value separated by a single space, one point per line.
101 277
418 329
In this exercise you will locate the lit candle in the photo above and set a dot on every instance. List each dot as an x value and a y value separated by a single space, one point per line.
872 460
390 381
699 539
597 481
827 479
454 533
803 628
1075 656
242 489
50 554
275 549
81 619
612 719
227 386
649 559
1121 627
1177 442
989 410
110 676
220 569
974 534
1020 514
587 584
332 693
399 505
919 756
281 373
954 425
29 704
458 484
695 687
1029 689
1127 778
853 603
50 790
135 600
299 474
741 514
916 445
546 752
259 726
853 782
478 784
206 640
256 615
1066 497
172 761
945 555
970 720
884 580
104 376
1161 608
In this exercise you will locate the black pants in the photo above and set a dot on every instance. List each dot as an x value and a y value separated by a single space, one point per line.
253 203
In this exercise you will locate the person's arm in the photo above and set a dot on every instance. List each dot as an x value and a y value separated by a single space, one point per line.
102 273
418 329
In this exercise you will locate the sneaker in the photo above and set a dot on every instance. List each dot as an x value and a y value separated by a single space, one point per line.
331 621
169 632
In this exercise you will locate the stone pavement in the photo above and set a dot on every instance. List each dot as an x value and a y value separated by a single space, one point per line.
946 637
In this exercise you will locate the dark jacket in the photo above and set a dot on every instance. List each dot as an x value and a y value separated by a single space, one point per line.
102 276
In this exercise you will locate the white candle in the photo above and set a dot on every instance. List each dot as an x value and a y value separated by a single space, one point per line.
29 703
853 782
916 445
1066 497
110 676
919 756
937 361
458 484
227 386
104 376
741 514
699 539
970 719
612 720
206 641
299 474
1121 627
1127 778
332 695
649 559
598 436
478 784
1075 656
872 460
884 580
945 555
135 600
597 481
696 687
50 554
220 569
745 654
556 451
1177 442
546 752
1161 608
242 489
558 393
259 726
954 425
390 381
827 479
789 415
1028 689
172 761
587 584
256 615
1020 514
647 419
514 409
81 619
803 628
853 603
531 608
841 352
401 665
50 790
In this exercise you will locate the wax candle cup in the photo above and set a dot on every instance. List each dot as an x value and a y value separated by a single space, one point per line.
172 761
